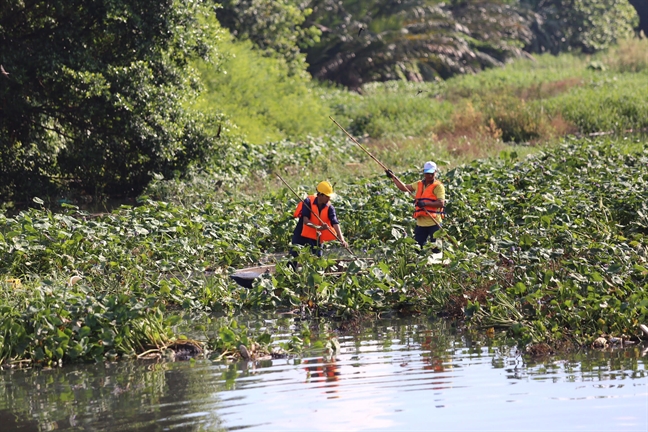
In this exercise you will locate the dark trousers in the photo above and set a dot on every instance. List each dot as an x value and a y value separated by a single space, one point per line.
304 241
422 234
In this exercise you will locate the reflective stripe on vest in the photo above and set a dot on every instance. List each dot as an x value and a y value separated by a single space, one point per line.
310 232
427 194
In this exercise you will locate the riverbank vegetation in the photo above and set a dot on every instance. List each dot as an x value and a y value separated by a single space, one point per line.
548 248
542 156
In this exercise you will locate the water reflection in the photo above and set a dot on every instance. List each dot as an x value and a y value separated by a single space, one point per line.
382 375
106 397
324 372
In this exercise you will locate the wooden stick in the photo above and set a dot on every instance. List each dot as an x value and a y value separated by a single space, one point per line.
316 215
395 177
359 145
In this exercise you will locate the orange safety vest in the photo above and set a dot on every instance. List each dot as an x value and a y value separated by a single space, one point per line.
427 194
310 232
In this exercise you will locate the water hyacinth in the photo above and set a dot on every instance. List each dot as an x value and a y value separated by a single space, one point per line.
548 248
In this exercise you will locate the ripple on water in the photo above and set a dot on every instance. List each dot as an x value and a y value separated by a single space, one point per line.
389 375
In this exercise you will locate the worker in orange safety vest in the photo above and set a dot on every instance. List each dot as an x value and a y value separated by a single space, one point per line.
429 203
309 231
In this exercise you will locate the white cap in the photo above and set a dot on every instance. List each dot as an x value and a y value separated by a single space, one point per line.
429 167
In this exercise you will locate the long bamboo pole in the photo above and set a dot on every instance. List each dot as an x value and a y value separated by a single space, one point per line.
383 166
316 215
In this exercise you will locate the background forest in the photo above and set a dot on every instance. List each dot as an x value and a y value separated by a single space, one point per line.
98 99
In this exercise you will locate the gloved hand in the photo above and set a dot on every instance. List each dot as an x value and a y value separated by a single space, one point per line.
389 173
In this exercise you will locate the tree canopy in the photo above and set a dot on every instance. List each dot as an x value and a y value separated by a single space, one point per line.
584 25
275 27
416 40
420 40
94 93
98 96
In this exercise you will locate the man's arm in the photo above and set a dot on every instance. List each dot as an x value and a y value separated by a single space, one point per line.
399 184
435 204
338 230
431 204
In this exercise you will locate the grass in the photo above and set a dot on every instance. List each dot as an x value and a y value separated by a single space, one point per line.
630 56
529 101
606 103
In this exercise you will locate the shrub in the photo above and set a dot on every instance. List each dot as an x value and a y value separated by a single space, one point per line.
631 55
606 104
259 96
392 109
518 121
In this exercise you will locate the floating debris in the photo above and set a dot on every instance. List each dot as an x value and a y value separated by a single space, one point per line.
644 329
539 350
185 349
600 343
13 282
74 279
245 354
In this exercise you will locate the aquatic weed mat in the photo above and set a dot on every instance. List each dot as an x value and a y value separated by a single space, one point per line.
558 240
545 248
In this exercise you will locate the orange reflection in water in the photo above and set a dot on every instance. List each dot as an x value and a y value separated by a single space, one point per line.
326 370
435 362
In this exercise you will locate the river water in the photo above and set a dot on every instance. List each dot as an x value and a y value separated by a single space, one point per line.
387 375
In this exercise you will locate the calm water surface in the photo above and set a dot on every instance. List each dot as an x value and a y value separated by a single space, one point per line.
396 375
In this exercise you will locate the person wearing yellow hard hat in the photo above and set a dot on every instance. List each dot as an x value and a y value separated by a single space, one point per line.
312 232
429 203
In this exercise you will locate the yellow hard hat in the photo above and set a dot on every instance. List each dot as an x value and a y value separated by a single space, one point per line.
325 188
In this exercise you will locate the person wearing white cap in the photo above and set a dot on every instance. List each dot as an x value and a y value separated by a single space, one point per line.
429 202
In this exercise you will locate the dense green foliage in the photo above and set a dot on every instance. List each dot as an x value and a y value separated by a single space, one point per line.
95 91
548 248
415 40
353 42
103 98
275 27
566 236
528 100
260 97
586 25
98 99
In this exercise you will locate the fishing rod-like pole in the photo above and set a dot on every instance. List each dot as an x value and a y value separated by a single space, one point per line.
383 166
360 145
316 215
